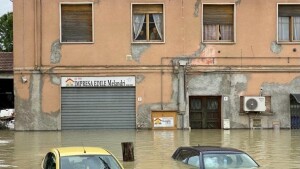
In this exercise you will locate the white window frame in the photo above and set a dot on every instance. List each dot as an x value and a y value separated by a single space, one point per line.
60 24
164 29
277 28
234 25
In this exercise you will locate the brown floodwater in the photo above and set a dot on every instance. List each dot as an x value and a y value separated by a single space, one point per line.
272 149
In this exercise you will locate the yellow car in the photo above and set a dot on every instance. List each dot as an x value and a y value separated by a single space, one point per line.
80 158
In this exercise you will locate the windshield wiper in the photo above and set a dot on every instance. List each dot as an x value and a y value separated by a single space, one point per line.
105 164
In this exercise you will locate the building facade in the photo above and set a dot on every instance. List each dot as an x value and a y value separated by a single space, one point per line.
199 64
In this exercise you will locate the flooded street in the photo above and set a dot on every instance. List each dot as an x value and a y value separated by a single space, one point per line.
272 149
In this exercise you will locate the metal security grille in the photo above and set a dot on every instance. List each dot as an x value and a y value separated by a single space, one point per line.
98 108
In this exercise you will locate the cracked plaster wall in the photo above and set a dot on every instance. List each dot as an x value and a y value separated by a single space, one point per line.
29 111
233 86
137 51
144 110
55 52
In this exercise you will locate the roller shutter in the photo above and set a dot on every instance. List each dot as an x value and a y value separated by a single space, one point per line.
98 108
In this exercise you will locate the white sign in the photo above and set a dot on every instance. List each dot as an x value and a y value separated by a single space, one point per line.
125 81
163 121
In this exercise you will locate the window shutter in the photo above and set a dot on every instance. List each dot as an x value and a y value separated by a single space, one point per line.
76 22
218 14
147 8
289 10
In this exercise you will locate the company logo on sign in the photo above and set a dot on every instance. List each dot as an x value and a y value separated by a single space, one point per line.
97 81
70 82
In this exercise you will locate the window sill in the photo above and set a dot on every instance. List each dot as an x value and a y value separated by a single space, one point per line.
218 42
288 43
147 42
76 42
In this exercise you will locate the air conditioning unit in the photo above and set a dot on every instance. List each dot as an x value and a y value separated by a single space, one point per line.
254 103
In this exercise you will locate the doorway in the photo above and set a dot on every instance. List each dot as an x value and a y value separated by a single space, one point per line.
295 111
7 94
205 112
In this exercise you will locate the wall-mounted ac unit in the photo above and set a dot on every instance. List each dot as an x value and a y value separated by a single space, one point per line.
254 103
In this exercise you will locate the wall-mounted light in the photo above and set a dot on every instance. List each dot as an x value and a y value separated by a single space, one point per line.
24 79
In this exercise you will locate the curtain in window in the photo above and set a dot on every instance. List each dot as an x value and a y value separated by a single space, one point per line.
297 28
158 20
210 32
138 21
283 28
226 32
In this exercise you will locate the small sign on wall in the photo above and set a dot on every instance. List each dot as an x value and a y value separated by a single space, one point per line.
164 119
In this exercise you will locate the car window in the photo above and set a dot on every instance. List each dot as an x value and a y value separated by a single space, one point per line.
231 160
189 157
89 162
194 161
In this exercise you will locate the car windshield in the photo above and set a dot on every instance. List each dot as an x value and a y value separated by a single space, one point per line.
89 162
235 160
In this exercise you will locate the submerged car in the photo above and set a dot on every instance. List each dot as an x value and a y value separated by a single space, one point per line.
214 157
80 158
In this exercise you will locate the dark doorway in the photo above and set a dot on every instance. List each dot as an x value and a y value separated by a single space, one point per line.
6 94
295 111
205 112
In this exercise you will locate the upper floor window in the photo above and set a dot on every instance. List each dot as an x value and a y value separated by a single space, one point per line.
289 23
218 23
147 23
76 22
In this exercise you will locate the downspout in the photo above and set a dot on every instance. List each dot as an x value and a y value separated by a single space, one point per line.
181 89
37 33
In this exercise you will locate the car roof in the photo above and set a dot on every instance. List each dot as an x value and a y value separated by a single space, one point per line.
69 151
212 149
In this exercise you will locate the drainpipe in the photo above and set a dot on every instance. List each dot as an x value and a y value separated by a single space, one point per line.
37 34
181 90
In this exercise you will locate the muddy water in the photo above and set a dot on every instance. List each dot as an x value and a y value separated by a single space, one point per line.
273 149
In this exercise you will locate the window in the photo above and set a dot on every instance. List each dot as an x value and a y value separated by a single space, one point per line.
147 23
289 23
76 22
218 23
189 157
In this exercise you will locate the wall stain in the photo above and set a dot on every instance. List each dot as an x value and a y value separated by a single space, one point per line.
237 2
275 48
55 52
139 78
137 50
196 8
55 79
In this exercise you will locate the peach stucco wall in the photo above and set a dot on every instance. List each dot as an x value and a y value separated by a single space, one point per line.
37 28
255 30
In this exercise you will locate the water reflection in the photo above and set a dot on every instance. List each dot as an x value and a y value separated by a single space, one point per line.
153 148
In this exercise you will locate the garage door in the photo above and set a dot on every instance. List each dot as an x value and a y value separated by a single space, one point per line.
98 108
